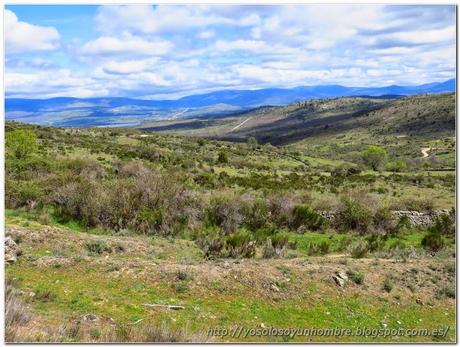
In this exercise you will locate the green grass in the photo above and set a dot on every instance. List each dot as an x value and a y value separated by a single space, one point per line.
121 297
21 216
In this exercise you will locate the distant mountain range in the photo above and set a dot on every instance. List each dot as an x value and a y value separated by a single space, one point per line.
90 112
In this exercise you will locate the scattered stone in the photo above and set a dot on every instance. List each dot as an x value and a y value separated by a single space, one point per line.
171 307
340 278
89 318
419 301
274 287
11 250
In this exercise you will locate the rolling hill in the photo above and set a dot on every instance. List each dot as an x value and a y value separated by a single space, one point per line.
415 115
129 112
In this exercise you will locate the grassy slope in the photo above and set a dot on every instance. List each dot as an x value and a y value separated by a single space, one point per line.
116 285
218 294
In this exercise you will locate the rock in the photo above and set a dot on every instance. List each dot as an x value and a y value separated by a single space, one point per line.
419 301
11 250
89 318
274 288
340 278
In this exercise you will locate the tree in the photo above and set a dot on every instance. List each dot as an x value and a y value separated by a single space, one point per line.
375 157
21 143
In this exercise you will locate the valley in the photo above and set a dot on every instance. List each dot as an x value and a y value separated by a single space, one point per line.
323 213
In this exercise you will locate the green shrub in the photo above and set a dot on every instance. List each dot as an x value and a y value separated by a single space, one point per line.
97 247
320 248
359 249
356 276
44 294
355 215
375 242
255 214
447 291
222 158
275 245
444 225
375 157
20 143
397 166
211 241
307 218
384 222
240 245
28 194
433 241
388 284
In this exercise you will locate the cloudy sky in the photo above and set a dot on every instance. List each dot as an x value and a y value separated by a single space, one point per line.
168 51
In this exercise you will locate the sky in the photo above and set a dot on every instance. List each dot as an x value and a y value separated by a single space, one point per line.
169 51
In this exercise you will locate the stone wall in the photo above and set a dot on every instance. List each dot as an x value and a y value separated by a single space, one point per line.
419 219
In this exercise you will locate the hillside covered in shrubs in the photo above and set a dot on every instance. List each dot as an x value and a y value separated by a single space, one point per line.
230 198
107 229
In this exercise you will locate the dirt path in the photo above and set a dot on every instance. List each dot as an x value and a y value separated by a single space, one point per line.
425 152
239 125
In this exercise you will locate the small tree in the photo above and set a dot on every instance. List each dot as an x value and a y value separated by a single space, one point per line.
375 157
21 143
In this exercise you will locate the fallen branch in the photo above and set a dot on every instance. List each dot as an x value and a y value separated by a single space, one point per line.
171 307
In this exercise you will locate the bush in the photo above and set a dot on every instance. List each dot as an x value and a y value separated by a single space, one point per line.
20 143
320 248
280 209
375 243
383 221
17 314
275 245
359 249
356 276
307 218
211 241
388 284
240 244
433 241
224 212
222 158
44 294
397 166
447 291
375 157
27 194
355 215
444 225
97 247
255 214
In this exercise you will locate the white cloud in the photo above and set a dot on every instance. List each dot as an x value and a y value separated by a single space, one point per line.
23 37
163 19
180 49
128 44
128 66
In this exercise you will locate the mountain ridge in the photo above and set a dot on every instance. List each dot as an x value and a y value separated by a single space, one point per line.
123 111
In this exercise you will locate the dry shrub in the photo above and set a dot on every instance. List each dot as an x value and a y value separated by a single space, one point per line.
280 208
139 199
357 211
224 212
17 315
